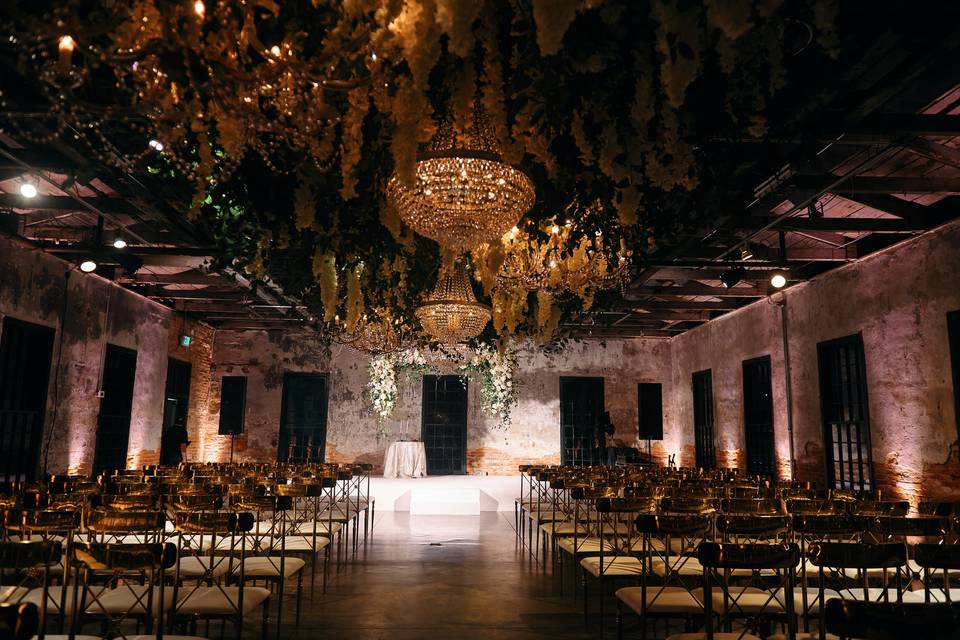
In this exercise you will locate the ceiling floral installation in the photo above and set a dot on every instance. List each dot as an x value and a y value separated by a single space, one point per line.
281 128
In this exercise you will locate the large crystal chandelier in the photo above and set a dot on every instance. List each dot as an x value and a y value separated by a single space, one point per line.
451 313
464 193
375 334
561 262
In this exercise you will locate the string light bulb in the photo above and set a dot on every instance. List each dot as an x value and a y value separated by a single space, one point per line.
88 266
119 243
199 8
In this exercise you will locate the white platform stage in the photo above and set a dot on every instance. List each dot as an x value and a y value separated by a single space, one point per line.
445 495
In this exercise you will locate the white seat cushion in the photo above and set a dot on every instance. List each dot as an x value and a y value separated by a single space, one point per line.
220 600
197 566
53 598
612 566
269 567
660 600
585 545
13 594
307 528
687 566
305 543
800 636
563 528
131 599
745 600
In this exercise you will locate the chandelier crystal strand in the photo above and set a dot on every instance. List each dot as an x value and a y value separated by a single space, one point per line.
452 314
464 193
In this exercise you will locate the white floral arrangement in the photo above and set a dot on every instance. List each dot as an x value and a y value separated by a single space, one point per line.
382 387
498 392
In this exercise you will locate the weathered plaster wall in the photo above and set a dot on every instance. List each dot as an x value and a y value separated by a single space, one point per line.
352 434
898 300
87 313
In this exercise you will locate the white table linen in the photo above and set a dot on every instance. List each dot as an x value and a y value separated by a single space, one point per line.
405 460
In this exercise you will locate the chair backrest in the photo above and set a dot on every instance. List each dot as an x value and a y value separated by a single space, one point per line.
720 561
936 562
892 621
752 528
19 621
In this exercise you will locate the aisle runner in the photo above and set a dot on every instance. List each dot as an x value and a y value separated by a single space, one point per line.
446 495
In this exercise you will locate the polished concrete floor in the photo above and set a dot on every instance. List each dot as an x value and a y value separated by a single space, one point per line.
458 577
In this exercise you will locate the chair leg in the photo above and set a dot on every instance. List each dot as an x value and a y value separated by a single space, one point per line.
619 619
586 599
264 626
280 586
299 595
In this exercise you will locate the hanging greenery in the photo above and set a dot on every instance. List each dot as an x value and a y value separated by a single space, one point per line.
280 123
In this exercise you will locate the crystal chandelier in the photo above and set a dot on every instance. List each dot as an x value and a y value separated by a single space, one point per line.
452 314
375 334
560 263
464 194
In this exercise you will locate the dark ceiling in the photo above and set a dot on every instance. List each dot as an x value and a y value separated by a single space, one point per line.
859 156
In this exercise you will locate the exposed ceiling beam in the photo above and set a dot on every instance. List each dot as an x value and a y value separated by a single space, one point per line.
934 151
256 325
184 277
116 206
879 185
839 225
190 294
727 264
911 212
919 124
667 316
653 305
698 290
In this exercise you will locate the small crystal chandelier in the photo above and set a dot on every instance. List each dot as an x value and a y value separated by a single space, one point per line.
464 194
375 335
452 314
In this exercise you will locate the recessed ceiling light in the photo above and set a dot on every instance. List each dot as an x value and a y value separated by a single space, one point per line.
88 266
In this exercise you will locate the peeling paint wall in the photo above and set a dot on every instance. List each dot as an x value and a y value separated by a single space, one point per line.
533 435
87 313
897 300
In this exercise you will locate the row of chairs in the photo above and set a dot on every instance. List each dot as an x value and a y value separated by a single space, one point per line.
168 548
644 529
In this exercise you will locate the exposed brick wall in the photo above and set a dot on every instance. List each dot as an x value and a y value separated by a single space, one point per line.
897 300
204 400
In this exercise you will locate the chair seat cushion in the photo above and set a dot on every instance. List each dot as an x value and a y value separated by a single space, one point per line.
612 566
54 595
220 600
585 545
305 543
307 528
269 567
131 600
660 600
197 566
563 528
680 565
800 636
13 594
749 600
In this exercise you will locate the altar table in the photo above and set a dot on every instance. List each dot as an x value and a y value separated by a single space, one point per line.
405 460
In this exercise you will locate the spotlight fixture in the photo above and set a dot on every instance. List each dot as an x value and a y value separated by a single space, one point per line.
119 243
745 252
778 279
731 277
28 189
156 145
88 266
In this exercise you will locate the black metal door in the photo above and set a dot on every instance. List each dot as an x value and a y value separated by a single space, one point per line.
444 424
758 417
303 419
581 406
843 406
113 423
703 420
26 351
176 404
